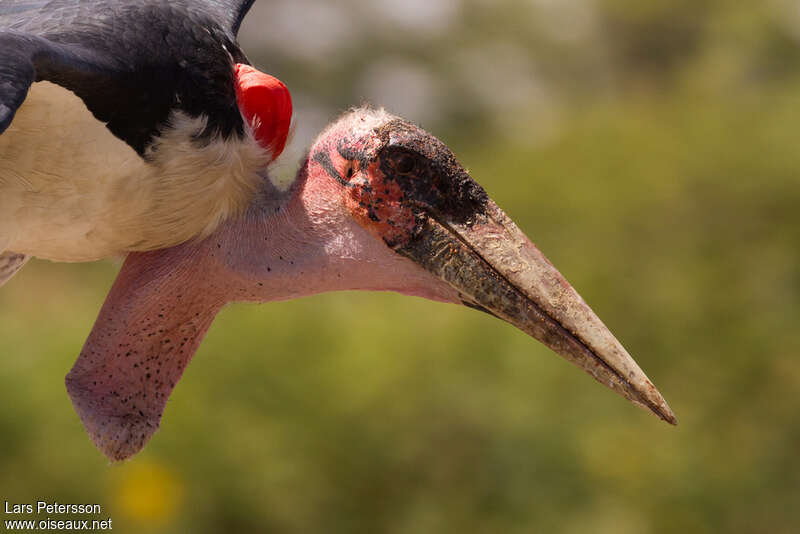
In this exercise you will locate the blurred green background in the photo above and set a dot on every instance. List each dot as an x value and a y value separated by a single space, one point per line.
649 148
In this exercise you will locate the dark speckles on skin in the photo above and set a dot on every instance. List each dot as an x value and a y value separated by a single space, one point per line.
411 174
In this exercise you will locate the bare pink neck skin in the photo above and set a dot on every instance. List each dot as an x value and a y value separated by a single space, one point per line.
302 243
162 303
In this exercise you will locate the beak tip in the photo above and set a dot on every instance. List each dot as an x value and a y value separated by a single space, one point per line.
657 405
668 416
665 414
643 393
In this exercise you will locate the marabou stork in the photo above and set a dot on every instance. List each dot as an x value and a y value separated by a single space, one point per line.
138 127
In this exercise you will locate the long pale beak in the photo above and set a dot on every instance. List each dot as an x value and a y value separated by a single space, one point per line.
496 268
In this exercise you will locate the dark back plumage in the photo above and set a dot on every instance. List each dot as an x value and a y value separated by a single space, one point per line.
132 62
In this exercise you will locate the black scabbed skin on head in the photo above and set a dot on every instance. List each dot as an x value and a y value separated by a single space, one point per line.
429 174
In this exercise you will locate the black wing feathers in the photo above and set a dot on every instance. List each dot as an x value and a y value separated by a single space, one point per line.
233 11
132 62
16 75
32 14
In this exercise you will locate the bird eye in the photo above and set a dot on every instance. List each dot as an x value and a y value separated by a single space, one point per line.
349 173
406 164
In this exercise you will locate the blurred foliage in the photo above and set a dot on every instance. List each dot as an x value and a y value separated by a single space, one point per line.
653 159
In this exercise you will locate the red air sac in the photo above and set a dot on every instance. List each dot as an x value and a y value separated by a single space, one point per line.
266 105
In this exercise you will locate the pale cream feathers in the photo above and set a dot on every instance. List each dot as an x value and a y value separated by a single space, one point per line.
71 191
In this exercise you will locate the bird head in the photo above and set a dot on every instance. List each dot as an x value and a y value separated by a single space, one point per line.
415 201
